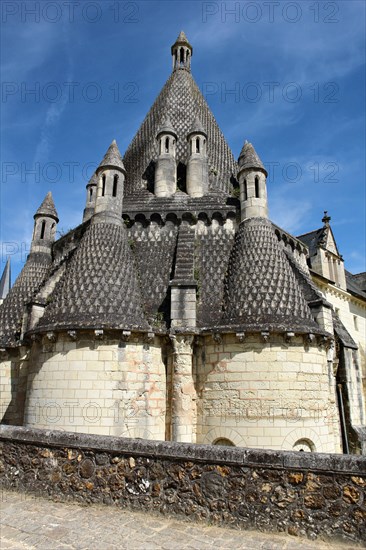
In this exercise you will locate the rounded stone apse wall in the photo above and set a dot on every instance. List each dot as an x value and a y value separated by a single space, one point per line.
103 387
267 395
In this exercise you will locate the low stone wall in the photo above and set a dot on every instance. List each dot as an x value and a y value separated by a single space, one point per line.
310 494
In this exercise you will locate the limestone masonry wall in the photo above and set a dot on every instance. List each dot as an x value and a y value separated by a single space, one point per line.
316 495
107 387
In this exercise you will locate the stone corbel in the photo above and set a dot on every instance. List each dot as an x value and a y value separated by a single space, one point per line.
149 337
51 336
126 335
240 336
24 353
217 338
72 334
265 335
310 338
289 336
99 334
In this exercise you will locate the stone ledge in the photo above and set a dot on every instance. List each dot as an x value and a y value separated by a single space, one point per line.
317 462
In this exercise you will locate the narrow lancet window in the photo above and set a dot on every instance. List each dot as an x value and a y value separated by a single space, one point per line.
115 183
256 187
245 190
43 228
197 145
167 145
103 186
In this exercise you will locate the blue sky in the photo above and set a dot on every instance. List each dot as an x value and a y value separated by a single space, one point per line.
287 76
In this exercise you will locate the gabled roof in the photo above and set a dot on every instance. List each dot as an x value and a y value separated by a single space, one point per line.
314 239
353 286
181 100
47 207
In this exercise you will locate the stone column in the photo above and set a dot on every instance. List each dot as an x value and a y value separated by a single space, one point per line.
184 404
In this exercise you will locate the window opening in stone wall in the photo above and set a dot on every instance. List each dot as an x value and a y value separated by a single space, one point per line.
103 186
245 190
256 181
197 145
224 441
91 193
304 445
115 183
181 56
43 227
167 145
355 322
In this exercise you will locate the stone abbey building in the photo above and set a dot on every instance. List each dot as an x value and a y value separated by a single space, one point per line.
177 310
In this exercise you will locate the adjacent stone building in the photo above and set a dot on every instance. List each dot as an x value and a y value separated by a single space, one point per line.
177 310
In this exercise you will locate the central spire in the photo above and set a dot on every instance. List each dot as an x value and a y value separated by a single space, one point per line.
182 52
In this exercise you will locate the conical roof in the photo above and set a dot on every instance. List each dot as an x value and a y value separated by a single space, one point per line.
112 158
5 281
197 127
31 278
181 100
182 40
249 158
47 207
261 290
100 288
93 180
167 128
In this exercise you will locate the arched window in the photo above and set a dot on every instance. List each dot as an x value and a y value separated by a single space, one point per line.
224 441
103 185
304 445
245 190
115 183
256 181
197 145
167 145
90 193
181 56
43 228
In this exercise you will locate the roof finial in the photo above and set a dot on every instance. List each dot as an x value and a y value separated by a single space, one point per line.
182 52
326 219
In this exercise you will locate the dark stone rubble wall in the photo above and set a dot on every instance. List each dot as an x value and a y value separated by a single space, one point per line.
316 495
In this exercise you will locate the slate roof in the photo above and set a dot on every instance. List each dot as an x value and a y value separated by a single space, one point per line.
112 158
261 289
47 207
100 288
33 274
343 333
314 239
249 158
5 281
181 100
353 285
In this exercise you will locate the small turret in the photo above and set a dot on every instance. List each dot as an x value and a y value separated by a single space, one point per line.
252 179
111 176
45 223
5 281
182 52
197 166
165 183
91 195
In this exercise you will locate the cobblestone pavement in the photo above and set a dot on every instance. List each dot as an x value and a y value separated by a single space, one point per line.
28 522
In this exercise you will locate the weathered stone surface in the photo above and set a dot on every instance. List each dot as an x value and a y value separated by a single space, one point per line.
222 486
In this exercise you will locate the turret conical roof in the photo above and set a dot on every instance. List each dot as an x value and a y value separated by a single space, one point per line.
249 158
112 158
5 281
93 180
261 291
47 208
167 127
197 127
182 40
